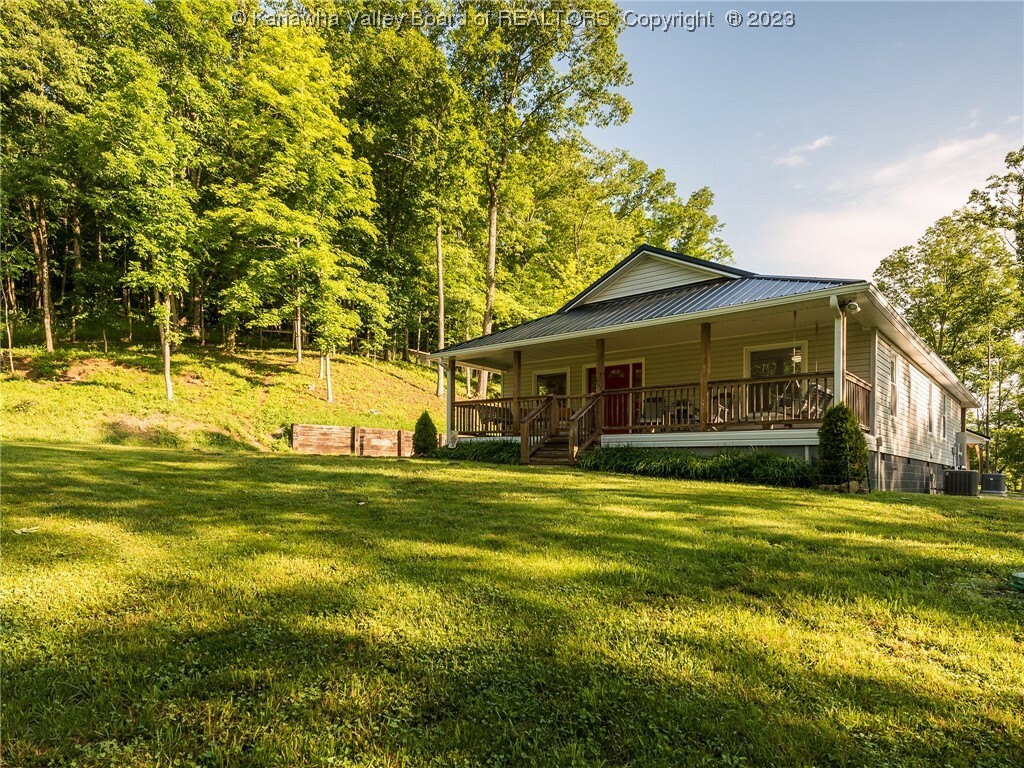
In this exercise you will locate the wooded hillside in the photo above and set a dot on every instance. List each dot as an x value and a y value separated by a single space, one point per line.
207 169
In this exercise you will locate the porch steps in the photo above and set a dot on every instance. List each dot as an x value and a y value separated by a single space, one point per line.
553 452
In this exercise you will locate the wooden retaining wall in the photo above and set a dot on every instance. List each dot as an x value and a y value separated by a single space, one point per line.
351 441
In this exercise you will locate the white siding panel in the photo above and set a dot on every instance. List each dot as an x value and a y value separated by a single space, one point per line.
906 432
647 274
858 351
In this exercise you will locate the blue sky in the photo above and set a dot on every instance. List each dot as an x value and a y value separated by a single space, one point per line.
833 142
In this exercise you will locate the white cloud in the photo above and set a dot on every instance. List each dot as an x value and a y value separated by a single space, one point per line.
878 209
797 156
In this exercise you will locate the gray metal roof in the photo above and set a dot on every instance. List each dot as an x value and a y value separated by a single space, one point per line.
671 302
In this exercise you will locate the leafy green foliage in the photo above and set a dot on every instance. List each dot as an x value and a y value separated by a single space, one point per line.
341 181
760 467
424 439
1000 204
842 447
958 288
490 451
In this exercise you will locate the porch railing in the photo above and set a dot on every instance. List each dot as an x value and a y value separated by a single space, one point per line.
585 426
732 404
486 418
857 394
537 426
768 401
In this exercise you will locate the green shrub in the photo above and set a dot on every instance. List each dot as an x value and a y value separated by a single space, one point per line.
492 451
761 467
424 439
842 449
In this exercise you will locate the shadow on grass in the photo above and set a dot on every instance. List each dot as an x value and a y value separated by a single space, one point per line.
411 611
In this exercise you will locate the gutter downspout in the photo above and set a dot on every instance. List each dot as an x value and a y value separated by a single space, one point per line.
839 349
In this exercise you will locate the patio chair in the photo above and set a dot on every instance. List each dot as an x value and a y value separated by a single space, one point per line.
721 411
687 414
791 402
654 411
817 402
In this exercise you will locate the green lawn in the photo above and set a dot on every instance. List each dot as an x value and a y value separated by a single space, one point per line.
242 401
188 609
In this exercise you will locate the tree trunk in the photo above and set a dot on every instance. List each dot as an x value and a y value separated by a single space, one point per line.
330 386
10 335
12 299
104 338
41 246
165 343
196 309
492 259
298 325
440 306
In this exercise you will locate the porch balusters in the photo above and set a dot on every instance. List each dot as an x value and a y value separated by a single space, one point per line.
795 400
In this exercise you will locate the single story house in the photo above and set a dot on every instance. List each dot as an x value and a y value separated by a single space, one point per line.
666 350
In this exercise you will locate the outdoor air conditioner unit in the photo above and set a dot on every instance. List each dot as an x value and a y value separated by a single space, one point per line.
993 484
961 482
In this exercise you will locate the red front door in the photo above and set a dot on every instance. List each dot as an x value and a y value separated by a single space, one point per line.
617 407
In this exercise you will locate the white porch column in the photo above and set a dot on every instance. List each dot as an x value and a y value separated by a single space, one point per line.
450 404
839 351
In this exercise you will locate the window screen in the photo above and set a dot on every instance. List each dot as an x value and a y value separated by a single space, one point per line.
774 362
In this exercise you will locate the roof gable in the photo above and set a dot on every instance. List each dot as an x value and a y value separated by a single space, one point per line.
652 269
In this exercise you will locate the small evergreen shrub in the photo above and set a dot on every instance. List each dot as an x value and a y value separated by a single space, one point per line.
842 449
424 439
491 451
760 467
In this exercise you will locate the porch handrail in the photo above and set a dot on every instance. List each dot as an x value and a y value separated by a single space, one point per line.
857 379
535 428
584 426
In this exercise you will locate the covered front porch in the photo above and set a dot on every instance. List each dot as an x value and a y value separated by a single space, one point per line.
682 383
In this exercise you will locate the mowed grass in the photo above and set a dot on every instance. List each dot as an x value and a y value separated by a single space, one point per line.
243 401
194 609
